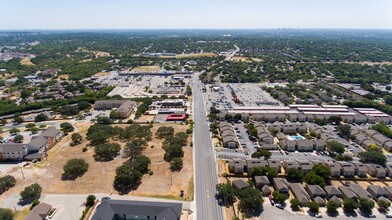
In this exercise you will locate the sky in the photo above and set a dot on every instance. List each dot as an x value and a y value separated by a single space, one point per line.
192 14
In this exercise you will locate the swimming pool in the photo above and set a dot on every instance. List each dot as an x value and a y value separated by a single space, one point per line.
296 137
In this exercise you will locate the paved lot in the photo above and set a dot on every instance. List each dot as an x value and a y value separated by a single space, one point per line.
71 206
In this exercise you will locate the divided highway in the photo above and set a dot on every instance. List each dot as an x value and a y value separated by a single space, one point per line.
206 176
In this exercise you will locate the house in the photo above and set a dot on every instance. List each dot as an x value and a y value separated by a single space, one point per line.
266 190
236 166
260 181
270 146
305 145
305 166
300 193
332 191
388 146
360 119
319 144
316 191
336 199
108 104
38 143
336 169
288 145
52 135
117 209
360 169
360 138
275 164
13 151
376 170
320 201
347 192
126 109
360 192
265 138
366 143
389 169
290 164
252 162
281 185
229 141
389 190
39 212
289 128
240 184
377 191
348 169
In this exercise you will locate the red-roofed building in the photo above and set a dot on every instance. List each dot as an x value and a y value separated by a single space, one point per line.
176 117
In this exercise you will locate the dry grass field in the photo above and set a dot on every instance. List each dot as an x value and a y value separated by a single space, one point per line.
146 69
26 61
196 55
100 175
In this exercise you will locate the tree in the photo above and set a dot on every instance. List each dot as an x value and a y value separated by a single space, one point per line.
75 168
313 179
228 117
164 131
106 152
76 138
294 174
251 201
176 164
173 151
30 126
40 117
344 131
18 120
104 120
279 197
366 206
6 183
66 127
226 193
373 147
344 158
90 200
14 131
383 205
262 171
335 119
295 204
83 105
6 214
68 110
323 171
134 148
18 138
262 153
332 206
34 130
335 147
25 93
313 206
31 192
349 205
181 138
237 117
127 178
376 157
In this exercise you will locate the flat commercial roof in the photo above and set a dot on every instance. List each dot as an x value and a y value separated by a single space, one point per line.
261 108
334 106
329 113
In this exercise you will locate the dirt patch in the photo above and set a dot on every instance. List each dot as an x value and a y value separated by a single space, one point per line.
241 59
26 61
145 118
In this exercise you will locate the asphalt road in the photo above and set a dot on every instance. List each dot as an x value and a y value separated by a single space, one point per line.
206 176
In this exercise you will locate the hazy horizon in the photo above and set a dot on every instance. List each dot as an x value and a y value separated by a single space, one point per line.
198 15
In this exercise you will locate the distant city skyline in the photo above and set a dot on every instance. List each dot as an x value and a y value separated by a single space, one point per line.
201 14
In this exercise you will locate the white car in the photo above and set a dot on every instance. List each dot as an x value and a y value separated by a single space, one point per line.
389 215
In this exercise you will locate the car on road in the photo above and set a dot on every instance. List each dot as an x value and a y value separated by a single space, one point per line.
279 206
318 215
388 215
